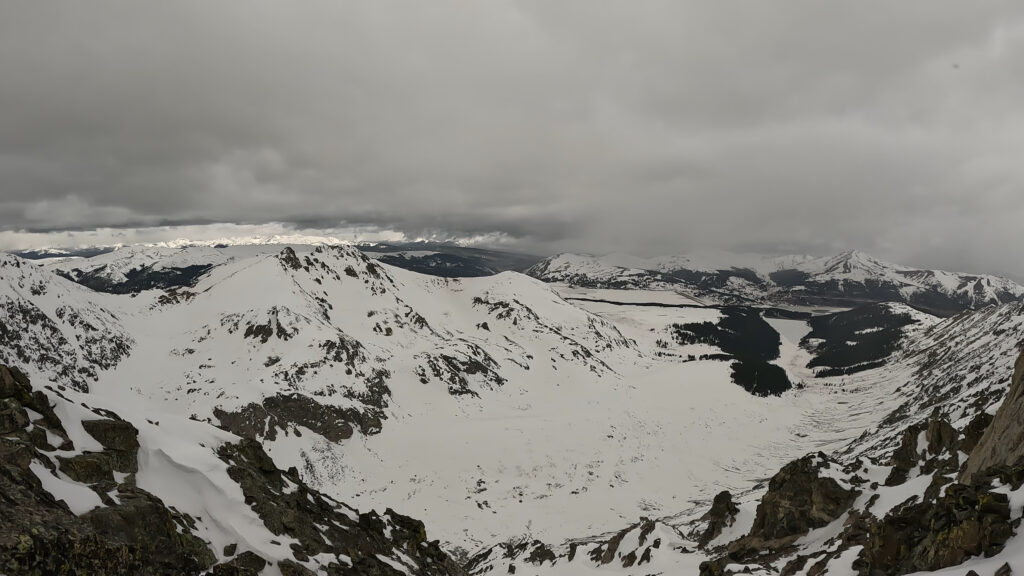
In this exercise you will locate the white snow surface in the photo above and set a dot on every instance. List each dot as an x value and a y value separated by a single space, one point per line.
578 425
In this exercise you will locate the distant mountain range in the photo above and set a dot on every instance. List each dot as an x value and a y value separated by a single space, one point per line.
846 280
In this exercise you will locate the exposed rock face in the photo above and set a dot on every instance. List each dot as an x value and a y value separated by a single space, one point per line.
974 430
1003 441
934 445
245 564
607 552
801 497
323 525
967 521
120 440
286 410
136 534
805 494
721 515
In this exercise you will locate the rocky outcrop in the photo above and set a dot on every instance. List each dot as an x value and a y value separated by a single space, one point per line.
932 446
134 533
800 497
245 564
1002 444
285 411
721 515
966 521
973 432
808 493
324 526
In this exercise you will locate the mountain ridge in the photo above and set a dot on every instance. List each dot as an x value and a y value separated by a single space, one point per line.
844 280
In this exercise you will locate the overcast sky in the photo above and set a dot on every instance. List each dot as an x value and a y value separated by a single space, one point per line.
637 126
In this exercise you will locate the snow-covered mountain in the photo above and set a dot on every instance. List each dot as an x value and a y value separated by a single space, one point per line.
128 269
56 327
845 280
136 268
854 277
530 425
594 272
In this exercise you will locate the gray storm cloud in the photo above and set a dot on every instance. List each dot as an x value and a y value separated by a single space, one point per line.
654 126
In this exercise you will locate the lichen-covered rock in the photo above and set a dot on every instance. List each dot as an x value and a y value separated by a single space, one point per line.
12 416
142 522
966 521
88 468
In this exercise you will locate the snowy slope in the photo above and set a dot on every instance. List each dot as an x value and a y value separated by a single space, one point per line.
56 328
489 407
85 489
946 371
492 408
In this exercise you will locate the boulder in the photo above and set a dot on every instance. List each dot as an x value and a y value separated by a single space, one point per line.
113 434
245 564
88 468
121 440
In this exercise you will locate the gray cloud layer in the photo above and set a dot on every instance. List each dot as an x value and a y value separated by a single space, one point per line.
655 126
